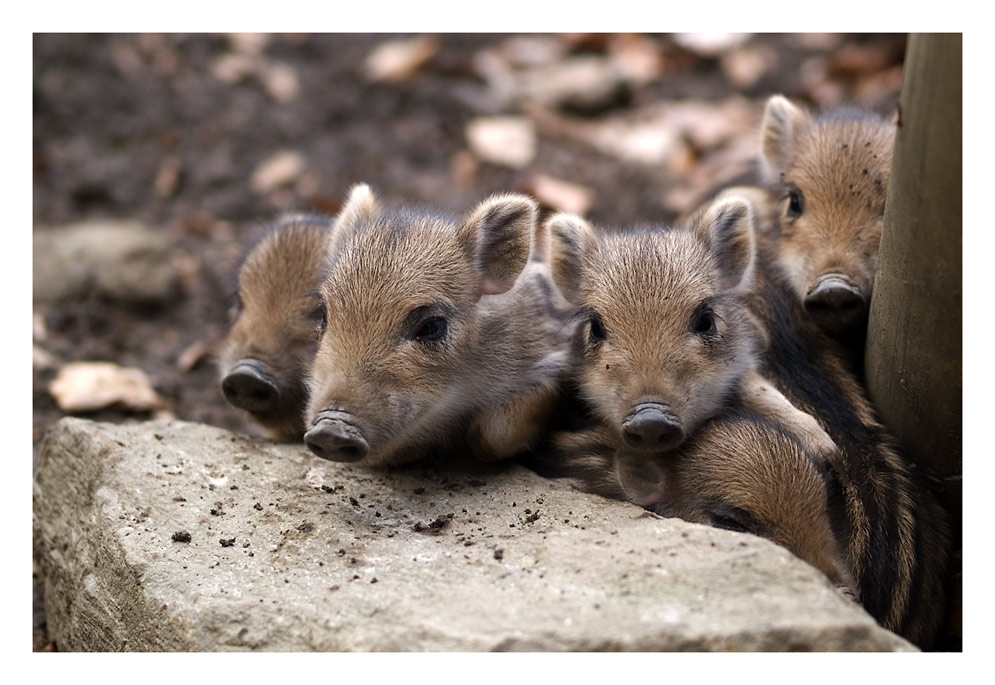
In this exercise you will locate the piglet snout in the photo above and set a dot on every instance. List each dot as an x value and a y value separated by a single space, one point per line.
334 436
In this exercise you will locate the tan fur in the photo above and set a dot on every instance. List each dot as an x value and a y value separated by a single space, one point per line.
760 396
273 323
859 543
838 167
647 290
389 272
503 430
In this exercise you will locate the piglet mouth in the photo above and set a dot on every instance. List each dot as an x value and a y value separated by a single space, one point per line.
652 427
334 435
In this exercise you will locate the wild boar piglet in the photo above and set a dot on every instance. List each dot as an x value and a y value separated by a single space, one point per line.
666 341
438 333
265 358
831 174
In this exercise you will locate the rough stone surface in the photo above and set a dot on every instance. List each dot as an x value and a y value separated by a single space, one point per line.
123 261
287 552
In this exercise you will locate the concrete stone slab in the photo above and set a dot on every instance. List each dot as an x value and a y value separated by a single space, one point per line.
288 552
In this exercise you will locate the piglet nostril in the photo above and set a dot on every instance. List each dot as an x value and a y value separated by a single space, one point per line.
250 386
651 426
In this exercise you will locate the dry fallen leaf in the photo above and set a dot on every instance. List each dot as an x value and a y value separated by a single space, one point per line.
531 50
87 386
42 359
641 142
249 43
584 83
196 352
506 140
399 60
745 67
279 170
710 44
39 332
560 195
280 81
636 56
652 134
232 67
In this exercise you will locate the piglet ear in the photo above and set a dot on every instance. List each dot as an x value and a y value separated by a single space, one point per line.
360 206
569 239
728 227
499 234
778 134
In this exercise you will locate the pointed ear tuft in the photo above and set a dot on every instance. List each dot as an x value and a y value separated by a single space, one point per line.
778 133
728 228
360 205
501 228
570 237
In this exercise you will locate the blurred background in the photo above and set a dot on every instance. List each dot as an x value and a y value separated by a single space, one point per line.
157 156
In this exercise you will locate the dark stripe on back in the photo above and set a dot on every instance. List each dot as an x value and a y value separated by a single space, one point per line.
795 364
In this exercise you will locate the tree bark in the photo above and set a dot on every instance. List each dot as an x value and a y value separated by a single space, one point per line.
913 354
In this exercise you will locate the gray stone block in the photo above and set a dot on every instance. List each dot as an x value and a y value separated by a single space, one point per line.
122 261
287 552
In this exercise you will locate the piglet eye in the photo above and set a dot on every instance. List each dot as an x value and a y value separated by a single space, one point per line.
796 204
703 322
319 315
431 329
597 333
725 522
235 306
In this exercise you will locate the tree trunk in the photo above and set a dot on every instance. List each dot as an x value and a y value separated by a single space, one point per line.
913 362
913 353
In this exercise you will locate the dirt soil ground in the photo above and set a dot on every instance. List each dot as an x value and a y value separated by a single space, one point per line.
203 138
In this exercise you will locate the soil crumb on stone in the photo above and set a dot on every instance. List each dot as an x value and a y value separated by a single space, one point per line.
435 526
